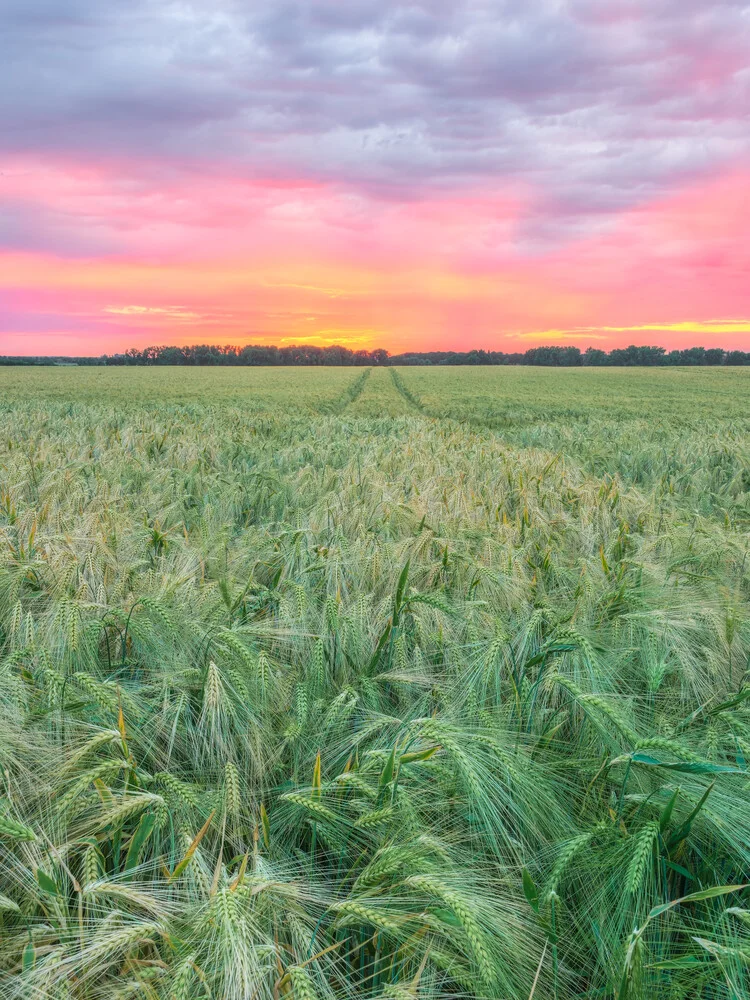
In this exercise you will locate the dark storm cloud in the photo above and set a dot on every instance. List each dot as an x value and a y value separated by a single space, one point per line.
595 104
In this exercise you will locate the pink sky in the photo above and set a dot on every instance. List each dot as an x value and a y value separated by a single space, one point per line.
399 175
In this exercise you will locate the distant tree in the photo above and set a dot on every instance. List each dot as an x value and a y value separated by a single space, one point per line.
694 356
595 356
171 356
556 356
737 358
206 354
258 354
477 357
336 354
634 355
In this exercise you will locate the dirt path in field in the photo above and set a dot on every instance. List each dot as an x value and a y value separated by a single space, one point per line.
381 397
405 392
352 392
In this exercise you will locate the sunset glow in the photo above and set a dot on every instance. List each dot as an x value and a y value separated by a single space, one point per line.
409 176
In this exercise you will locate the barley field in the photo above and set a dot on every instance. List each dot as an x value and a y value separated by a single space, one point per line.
402 683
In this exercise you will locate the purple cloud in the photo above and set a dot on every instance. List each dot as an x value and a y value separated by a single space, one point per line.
597 106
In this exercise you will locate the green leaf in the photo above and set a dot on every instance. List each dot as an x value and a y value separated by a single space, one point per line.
550 650
386 776
400 590
683 831
417 755
138 840
716 890
28 959
447 916
46 882
722 951
685 962
686 766
530 891
666 814
737 700
694 897
379 648
623 990
680 870
316 782
265 825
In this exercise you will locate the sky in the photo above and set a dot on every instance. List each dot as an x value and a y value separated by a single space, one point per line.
437 174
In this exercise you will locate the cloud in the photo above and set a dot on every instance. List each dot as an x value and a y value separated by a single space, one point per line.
421 168
697 327
546 336
599 106
166 313
345 337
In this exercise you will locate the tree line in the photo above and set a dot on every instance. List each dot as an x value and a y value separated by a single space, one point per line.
306 354
571 357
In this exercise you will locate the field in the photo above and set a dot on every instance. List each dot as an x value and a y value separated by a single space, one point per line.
401 683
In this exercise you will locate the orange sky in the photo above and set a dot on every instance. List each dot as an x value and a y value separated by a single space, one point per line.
233 261
447 179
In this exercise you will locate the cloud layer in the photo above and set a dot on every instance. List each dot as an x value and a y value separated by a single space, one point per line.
401 173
